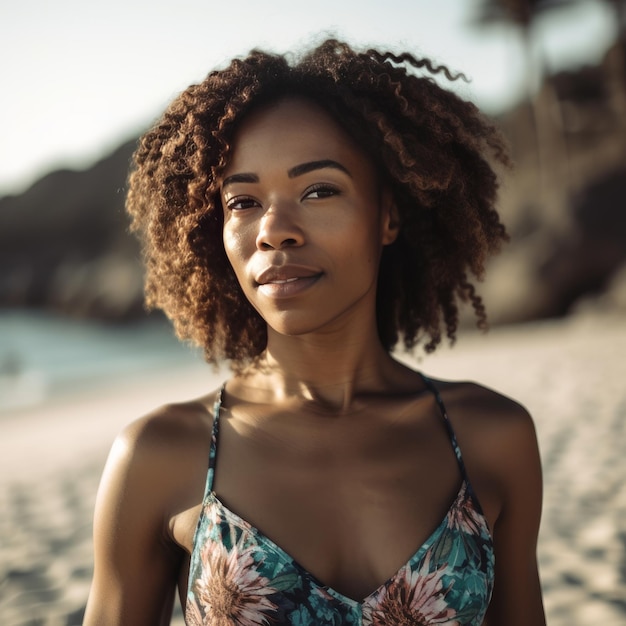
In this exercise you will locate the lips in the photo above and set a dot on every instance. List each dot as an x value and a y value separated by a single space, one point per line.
278 275
286 280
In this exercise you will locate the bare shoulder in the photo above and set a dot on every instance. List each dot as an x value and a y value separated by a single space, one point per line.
483 412
156 455
497 438
165 431
168 427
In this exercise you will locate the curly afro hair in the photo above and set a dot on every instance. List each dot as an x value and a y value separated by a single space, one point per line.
433 150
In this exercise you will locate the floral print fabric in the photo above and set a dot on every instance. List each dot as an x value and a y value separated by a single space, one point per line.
239 577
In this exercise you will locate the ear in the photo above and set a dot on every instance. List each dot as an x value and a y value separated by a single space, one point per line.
390 219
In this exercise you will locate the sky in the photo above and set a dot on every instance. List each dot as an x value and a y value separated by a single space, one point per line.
79 77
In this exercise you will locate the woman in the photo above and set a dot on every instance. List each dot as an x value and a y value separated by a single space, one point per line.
298 220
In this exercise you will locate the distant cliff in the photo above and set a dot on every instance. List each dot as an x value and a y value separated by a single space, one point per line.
64 244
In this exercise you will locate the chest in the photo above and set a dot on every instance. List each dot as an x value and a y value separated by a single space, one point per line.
235 567
349 507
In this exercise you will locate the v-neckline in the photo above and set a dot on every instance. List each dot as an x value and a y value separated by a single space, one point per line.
285 556
465 491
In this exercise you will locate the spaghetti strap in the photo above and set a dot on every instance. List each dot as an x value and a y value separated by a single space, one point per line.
217 405
446 420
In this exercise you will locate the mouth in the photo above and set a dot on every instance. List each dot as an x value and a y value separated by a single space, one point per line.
286 281
280 274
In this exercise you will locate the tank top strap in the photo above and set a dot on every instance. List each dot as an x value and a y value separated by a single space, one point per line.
446 420
217 405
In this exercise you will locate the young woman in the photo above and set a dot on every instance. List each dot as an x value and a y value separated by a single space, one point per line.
299 220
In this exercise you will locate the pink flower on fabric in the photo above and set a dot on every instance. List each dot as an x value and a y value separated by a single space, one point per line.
412 598
230 590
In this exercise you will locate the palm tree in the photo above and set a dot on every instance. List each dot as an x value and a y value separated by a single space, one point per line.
550 147
616 67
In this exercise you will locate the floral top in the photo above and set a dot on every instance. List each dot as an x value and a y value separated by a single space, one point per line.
240 577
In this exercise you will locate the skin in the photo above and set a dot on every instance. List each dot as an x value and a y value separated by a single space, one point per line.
332 448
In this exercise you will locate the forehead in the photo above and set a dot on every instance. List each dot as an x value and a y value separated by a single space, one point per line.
287 132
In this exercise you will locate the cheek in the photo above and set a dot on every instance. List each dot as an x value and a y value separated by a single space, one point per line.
234 245
366 239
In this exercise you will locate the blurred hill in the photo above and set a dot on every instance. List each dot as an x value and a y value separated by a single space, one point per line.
565 202
64 244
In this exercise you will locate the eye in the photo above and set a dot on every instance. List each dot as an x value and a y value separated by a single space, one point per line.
320 191
241 203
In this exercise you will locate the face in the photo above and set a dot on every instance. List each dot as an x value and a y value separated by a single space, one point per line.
304 219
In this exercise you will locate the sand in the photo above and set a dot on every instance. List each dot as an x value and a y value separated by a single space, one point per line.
570 374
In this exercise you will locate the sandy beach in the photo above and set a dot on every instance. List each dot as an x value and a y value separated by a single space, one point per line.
569 374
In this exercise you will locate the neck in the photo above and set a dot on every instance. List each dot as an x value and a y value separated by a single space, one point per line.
323 372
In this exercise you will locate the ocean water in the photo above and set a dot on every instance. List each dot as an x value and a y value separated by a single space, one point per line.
43 355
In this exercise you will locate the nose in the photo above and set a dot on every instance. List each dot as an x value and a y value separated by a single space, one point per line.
278 229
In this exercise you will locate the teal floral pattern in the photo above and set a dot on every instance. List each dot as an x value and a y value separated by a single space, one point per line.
239 577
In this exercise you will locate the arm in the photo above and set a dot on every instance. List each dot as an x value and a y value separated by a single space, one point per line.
135 562
517 593
501 455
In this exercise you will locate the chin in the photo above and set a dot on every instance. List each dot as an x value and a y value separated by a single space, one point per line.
292 324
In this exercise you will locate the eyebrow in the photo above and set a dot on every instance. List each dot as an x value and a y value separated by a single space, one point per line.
294 172
311 166
240 178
